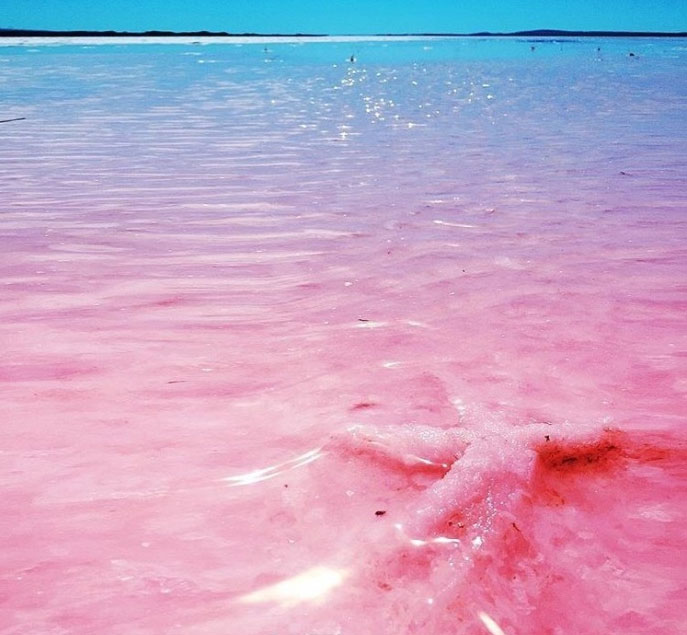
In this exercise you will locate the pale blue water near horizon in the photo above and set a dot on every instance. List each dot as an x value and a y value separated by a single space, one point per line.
299 344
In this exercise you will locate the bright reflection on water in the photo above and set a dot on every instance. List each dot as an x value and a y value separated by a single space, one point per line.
263 474
490 624
311 585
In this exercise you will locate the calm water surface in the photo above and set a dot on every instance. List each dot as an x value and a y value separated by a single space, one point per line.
298 345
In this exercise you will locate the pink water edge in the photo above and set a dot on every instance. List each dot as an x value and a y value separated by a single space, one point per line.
297 346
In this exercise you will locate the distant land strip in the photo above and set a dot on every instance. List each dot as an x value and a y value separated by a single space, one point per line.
534 33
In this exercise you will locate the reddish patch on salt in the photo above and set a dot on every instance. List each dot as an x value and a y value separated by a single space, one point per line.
614 450
600 456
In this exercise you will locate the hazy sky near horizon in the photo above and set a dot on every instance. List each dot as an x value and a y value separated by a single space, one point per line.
342 17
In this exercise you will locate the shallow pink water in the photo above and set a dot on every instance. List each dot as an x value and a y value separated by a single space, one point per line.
297 346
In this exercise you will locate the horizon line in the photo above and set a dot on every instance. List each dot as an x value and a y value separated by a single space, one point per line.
12 32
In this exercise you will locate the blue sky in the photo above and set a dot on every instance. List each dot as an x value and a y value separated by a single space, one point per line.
340 17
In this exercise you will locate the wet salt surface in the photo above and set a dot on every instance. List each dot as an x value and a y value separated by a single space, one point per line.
302 346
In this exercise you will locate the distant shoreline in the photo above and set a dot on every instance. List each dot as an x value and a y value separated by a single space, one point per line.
24 33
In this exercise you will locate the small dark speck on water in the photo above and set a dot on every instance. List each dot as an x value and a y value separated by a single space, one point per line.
363 320
380 512
547 437
363 405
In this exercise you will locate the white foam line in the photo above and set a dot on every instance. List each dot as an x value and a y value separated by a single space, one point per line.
371 325
34 42
449 224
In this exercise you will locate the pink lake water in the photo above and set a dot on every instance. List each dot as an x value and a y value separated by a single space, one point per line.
293 345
